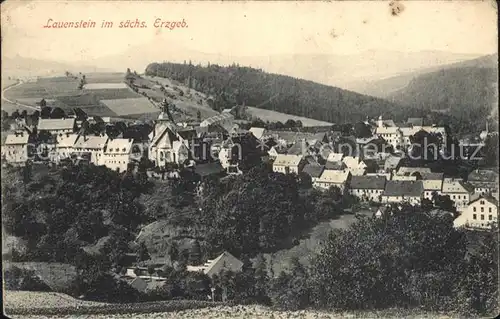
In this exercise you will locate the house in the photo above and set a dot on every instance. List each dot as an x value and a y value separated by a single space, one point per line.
15 148
258 132
396 177
65 147
224 261
58 128
415 171
223 119
389 132
117 154
403 191
335 157
392 163
433 183
368 188
484 181
313 170
93 145
287 164
459 191
331 178
479 213
355 165
300 147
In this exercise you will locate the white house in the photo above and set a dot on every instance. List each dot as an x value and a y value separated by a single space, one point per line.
93 145
433 183
367 187
224 261
459 192
286 164
117 154
484 181
59 128
355 165
65 147
15 148
333 178
479 213
403 191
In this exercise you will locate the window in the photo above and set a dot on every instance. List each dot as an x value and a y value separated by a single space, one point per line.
482 202
474 216
482 217
453 196
490 217
474 209
489 210
482 209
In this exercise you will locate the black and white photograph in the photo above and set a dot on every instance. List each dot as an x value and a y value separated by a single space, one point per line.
250 159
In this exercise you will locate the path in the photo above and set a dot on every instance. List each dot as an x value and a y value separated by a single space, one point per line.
15 102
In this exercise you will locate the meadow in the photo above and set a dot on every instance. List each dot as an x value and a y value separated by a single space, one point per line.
273 116
130 106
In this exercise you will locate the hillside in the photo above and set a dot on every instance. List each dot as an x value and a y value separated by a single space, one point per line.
231 85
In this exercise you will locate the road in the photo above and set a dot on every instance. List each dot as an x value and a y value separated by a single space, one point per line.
15 102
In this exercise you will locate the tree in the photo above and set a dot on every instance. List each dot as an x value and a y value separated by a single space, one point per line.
43 103
45 112
57 113
15 114
361 130
173 251
198 116
195 254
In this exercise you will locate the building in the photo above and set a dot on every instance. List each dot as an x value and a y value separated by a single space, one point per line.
331 178
15 148
117 154
459 192
355 165
479 213
484 181
93 146
287 164
403 191
415 171
65 147
167 147
314 171
258 132
58 128
224 261
392 163
368 188
433 183
224 119
389 132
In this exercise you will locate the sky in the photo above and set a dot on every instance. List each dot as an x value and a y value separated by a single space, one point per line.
250 28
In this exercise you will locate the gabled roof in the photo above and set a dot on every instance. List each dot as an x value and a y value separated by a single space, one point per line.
331 176
403 188
217 119
489 199
17 138
432 176
225 255
410 170
451 185
335 157
483 175
119 146
387 130
368 182
92 142
287 160
69 141
353 162
392 162
313 170
299 148
166 130
55 124
334 165
258 132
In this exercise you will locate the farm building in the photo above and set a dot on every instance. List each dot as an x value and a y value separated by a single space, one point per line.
58 128
15 148
224 261
117 154
93 145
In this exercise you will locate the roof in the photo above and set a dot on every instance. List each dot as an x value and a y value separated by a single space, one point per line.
483 175
187 134
409 131
119 146
415 121
217 119
403 188
368 182
288 160
69 141
451 185
489 199
410 170
17 138
258 132
334 165
387 130
208 169
392 162
211 263
431 176
55 124
353 162
313 170
332 176
299 148
93 142
335 157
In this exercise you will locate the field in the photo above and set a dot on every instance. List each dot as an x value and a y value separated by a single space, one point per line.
103 86
57 276
272 116
309 245
51 305
130 106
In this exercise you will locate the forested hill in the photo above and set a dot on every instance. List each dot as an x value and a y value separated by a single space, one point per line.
235 85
